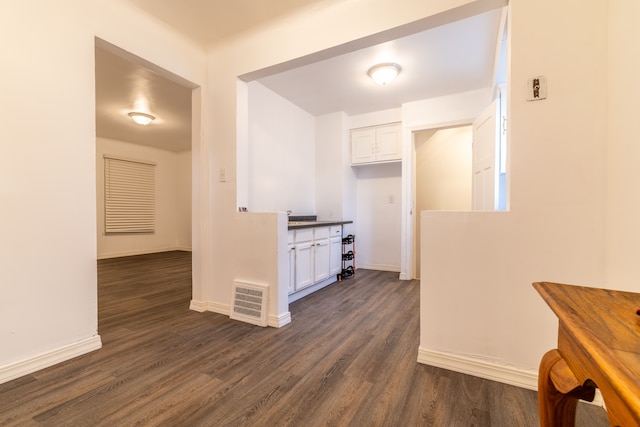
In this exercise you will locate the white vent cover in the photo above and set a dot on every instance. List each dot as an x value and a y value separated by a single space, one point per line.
250 303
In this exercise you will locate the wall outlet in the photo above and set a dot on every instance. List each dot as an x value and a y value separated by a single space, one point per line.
537 88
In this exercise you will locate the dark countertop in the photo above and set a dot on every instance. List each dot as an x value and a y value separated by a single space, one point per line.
295 225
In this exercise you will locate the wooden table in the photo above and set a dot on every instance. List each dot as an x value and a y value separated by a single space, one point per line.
598 346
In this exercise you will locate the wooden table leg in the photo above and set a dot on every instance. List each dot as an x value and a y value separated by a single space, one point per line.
559 391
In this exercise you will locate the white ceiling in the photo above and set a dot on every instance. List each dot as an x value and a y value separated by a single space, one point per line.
208 22
448 59
121 83
452 58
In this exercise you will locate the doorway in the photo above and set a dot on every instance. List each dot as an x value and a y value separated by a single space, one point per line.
125 83
442 175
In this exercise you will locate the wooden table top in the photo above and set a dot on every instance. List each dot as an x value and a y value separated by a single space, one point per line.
599 337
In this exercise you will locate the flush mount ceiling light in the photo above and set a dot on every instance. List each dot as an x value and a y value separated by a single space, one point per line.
384 73
141 118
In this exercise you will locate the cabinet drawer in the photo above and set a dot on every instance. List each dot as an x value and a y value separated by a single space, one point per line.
304 235
290 236
321 233
336 231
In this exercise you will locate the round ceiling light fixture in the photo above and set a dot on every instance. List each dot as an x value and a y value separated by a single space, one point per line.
384 74
142 119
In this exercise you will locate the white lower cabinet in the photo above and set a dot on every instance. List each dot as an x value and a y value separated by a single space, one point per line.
321 262
314 256
304 258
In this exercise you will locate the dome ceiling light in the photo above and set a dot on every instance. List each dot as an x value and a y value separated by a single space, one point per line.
384 74
142 119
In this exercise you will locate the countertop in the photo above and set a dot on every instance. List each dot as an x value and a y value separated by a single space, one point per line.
295 225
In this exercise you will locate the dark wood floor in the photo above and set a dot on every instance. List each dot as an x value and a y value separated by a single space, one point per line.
347 359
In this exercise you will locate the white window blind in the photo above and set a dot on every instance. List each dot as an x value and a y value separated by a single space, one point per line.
129 196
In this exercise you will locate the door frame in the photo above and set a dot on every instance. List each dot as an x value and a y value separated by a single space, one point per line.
407 270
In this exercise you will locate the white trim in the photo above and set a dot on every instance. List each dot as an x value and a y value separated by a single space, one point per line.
199 306
202 306
214 307
279 320
480 368
379 267
49 358
505 374
143 252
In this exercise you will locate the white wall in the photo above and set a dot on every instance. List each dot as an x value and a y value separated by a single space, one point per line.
443 169
379 191
48 292
477 267
330 138
623 150
281 151
173 201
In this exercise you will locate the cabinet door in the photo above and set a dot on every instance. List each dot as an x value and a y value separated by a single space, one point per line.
363 143
322 260
389 143
335 250
292 267
304 265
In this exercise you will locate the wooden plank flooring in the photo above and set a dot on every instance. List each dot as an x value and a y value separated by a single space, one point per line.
347 359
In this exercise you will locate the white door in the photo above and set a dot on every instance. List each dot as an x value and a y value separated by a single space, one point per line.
363 143
304 265
485 160
322 260
389 143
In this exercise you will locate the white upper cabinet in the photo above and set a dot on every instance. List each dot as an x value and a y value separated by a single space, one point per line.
377 144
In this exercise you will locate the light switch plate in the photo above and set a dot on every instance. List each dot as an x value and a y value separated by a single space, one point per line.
537 88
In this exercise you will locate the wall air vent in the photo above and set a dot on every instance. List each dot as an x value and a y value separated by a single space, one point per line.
250 303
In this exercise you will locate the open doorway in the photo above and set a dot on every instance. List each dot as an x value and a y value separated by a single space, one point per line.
442 174
124 84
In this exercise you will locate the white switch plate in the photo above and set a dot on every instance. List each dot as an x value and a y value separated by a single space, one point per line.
223 175
537 88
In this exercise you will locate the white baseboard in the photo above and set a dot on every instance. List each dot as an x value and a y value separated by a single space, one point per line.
142 252
201 306
23 367
280 320
380 267
480 368
506 374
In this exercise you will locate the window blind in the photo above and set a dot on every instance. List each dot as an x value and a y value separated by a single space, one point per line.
129 196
